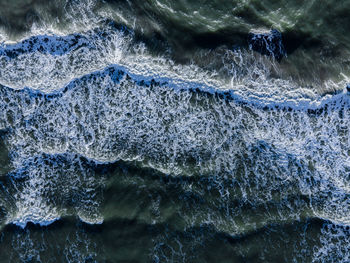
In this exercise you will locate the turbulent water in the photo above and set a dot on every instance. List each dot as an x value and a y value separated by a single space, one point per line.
157 131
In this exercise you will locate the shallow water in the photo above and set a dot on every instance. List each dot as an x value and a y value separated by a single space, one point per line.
154 132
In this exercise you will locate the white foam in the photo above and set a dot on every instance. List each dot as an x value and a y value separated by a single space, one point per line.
46 184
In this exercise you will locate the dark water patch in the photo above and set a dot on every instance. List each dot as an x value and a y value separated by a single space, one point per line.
287 243
294 40
144 194
18 15
270 44
5 165
73 241
131 241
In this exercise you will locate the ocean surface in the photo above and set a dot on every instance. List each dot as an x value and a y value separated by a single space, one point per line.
175 131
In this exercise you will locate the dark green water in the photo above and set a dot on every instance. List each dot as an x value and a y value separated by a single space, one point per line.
159 131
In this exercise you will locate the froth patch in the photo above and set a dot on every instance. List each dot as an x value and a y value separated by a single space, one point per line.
51 186
48 62
334 244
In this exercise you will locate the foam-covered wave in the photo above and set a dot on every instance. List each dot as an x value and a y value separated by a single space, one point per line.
109 115
49 62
